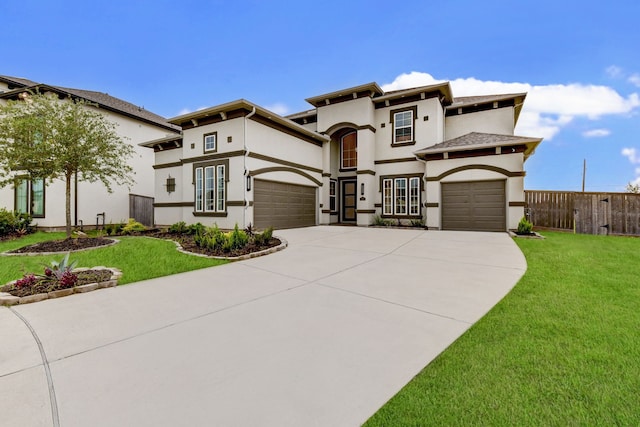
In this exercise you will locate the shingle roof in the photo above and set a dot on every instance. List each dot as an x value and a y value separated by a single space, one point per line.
102 99
478 140
461 101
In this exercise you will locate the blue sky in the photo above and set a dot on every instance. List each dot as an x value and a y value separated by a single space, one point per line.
579 61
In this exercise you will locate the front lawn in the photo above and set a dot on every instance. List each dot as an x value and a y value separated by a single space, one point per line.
139 258
563 348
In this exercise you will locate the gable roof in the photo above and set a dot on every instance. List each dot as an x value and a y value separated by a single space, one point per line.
369 89
242 107
103 100
478 140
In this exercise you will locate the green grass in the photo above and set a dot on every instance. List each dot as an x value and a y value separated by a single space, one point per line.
139 258
563 348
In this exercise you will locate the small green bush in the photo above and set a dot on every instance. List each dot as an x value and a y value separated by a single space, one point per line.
14 222
178 228
264 237
133 226
110 229
196 228
417 222
238 239
524 226
379 221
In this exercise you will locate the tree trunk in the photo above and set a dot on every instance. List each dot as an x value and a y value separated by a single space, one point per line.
68 203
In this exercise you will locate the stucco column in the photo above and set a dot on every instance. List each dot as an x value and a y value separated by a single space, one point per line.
324 217
366 189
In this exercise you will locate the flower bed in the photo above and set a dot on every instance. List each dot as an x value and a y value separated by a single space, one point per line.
32 288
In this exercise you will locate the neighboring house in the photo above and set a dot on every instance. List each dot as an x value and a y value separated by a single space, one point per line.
46 202
410 155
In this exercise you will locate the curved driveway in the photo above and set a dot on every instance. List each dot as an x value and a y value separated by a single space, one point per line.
320 334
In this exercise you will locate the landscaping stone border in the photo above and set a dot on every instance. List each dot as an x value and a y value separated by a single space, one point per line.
533 235
7 299
113 242
283 244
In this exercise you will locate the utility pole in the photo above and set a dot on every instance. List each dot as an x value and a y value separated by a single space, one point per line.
584 173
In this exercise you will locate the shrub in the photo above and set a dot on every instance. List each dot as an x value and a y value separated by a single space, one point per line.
264 237
14 222
417 222
379 221
178 228
133 226
196 228
237 238
524 226
118 228
110 229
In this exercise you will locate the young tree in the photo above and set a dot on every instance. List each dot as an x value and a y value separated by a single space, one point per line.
52 138
633 188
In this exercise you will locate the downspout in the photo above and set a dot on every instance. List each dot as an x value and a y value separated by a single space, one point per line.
246 171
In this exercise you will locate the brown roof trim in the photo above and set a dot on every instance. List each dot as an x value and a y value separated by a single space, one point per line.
262 115
442 89
402 160
368 89
173 204
167 165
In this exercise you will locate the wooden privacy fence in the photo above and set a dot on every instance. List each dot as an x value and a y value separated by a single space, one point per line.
594 213
141 208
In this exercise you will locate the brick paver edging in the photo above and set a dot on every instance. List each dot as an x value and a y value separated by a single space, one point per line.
283 244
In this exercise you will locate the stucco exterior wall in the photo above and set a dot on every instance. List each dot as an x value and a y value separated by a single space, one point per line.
358 111
499 121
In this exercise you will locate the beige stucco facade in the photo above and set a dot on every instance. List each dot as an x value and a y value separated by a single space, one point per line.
363 152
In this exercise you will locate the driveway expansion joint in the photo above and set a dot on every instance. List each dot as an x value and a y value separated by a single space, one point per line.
45 363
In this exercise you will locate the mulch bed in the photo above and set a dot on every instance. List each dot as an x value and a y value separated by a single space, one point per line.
46 284
188 244
65 245
185 240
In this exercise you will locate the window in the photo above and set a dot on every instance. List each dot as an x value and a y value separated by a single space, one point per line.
29 196
401 196
403 126
210 140
210 187
333 184
349 151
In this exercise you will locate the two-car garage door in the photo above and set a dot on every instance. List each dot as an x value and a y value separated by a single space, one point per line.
280 205
474 205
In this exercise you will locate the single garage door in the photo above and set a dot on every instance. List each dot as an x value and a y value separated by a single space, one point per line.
477 206
283 205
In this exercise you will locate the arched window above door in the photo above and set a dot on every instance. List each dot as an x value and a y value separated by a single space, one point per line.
349 151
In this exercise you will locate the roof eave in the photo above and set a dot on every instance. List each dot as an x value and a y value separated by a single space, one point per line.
319 100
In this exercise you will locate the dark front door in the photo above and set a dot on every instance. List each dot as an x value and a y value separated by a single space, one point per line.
349 201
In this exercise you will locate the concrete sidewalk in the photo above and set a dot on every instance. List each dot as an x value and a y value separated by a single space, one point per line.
320 334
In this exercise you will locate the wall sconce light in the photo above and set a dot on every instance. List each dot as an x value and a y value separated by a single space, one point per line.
170 184
248 182
362 189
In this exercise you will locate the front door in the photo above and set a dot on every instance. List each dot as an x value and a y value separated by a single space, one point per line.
349 201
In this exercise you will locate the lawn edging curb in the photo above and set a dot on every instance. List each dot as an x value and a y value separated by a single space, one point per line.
283 244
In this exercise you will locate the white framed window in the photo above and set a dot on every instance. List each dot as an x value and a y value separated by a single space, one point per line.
210 142
401 196
333 185
220 189
387 197
211 187
199 190
403 121
414 196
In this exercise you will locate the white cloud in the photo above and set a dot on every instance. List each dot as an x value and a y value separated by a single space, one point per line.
548 107
634 79
613 71
596 133
632 155
184 111
278 108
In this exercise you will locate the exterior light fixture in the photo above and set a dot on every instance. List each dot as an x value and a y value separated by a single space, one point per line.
362 189
248 182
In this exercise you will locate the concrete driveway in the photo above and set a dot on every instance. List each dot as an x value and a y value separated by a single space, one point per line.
320 334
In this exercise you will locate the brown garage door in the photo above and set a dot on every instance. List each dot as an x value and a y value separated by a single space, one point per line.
283 205
478 206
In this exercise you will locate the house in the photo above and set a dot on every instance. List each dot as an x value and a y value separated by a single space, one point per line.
414 155
91 203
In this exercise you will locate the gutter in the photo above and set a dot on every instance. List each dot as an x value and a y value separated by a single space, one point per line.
246 171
